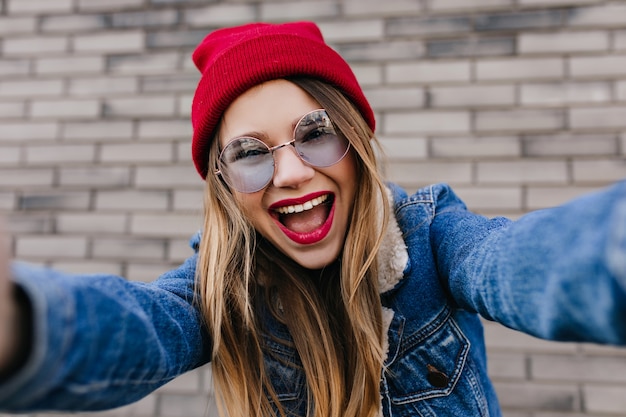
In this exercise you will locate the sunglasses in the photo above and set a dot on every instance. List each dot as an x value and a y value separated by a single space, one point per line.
247 164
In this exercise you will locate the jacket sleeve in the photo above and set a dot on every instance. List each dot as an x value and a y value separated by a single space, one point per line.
101 341
558 273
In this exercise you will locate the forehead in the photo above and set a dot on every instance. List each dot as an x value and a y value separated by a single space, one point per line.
270 109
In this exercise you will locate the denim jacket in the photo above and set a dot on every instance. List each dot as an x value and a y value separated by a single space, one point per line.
559 274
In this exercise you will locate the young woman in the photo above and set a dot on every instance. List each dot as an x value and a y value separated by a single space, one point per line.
316 289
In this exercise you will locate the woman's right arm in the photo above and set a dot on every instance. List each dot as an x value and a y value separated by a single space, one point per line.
98 341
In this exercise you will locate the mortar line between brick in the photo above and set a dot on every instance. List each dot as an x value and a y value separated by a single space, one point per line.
581 398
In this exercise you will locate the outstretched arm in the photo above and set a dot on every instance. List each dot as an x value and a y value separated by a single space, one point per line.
100 341
558 273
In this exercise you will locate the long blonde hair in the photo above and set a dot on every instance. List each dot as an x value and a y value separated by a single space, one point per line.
333 316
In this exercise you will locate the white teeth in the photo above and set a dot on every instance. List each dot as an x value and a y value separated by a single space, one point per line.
298 208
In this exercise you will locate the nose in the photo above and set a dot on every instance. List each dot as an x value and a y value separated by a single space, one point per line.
290 171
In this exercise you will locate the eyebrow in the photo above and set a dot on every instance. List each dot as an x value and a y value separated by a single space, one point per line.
252 134
262 136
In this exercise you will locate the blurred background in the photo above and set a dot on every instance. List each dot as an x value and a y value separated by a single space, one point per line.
518 104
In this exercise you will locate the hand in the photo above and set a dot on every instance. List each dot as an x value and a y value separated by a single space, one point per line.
9 316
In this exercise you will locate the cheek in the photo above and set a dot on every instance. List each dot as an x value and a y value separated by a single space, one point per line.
249 205
349 163
350 172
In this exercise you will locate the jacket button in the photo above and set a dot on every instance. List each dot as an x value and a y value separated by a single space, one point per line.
437 378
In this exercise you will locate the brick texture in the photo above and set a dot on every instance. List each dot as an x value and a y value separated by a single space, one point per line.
519 104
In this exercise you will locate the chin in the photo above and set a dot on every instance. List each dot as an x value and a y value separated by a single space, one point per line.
315 264
315 260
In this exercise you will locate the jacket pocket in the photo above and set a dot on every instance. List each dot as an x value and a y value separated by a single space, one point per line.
432 372
429 362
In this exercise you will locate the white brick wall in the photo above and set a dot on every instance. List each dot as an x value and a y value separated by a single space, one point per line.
424 122
522 172
520 69
428 72
40 6
40 45
66 109
15 24
12 109
564 42
60 154
218 14
70 64
519 104
473 96
127 41
97 131
21 88
315 9
108 5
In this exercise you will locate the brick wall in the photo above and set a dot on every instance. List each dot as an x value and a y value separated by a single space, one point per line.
519 104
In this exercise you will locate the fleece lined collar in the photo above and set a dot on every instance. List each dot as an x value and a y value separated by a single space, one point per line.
393 255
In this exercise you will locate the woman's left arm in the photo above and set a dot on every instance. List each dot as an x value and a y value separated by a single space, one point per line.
558 273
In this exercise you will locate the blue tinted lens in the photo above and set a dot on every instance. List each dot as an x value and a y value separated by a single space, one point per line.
317 142
246 164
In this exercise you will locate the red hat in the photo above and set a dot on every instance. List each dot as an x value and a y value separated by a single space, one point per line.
232 60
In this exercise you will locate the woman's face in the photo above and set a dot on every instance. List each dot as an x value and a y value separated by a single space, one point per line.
320 200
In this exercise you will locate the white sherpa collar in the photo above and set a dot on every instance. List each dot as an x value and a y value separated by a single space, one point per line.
392 259
393 255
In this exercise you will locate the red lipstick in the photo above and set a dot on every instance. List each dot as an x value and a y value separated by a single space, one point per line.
299 200
313 236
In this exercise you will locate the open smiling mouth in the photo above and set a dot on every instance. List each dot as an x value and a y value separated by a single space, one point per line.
308 222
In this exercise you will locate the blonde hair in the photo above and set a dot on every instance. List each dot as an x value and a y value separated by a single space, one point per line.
333 316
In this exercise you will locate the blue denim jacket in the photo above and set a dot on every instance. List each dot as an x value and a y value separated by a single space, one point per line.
560 274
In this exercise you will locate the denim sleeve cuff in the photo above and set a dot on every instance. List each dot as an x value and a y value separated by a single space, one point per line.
50 308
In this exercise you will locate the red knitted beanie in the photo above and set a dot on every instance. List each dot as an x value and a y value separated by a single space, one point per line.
232 60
